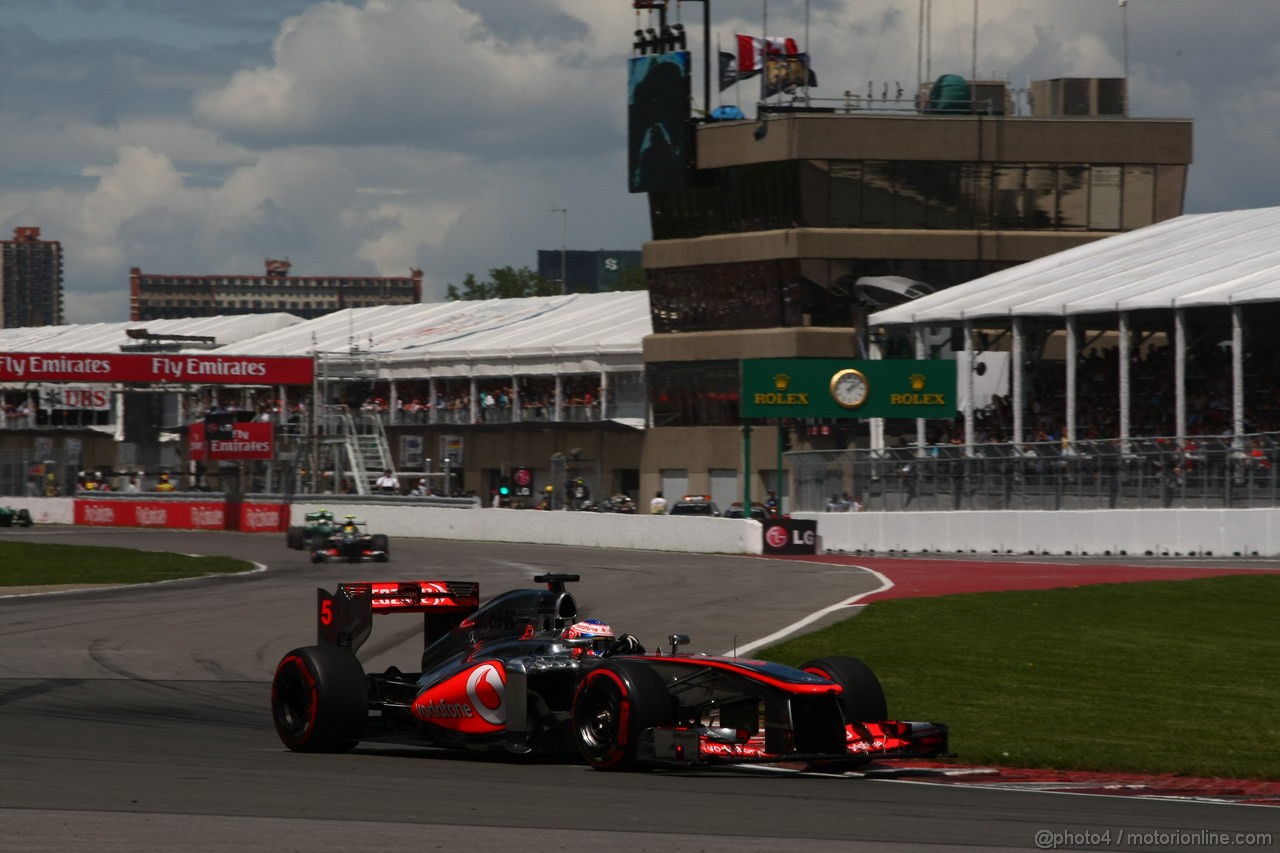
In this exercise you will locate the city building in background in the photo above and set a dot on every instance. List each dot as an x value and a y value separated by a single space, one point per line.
587 272
155 296
31 280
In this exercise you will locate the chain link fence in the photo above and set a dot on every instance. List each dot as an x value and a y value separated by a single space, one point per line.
1139 473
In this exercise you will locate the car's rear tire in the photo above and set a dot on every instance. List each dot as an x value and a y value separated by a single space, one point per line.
319 700
24 518
380 542
863 697
294 538
613 705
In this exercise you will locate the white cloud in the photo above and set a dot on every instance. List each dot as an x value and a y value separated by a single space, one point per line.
375 136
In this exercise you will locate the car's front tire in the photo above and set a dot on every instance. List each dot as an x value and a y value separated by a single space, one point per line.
613 705
862 698
319 699
294 538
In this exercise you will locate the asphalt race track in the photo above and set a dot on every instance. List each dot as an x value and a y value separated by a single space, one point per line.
137 719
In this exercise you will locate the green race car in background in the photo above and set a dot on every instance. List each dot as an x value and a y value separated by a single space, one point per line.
10 517
317 527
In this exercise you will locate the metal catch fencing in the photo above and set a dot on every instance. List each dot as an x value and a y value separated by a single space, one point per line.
1138 473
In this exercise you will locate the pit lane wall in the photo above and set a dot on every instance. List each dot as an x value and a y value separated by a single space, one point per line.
1128 532
687 534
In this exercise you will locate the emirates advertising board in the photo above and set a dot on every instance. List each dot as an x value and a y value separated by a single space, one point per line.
227 441
139 368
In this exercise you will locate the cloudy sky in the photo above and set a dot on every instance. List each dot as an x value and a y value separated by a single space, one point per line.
372 136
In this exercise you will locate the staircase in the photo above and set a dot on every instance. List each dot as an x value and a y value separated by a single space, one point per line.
367 449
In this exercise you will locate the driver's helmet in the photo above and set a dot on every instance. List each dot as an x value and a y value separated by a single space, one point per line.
600 634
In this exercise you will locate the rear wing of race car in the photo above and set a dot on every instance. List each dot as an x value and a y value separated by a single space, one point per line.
345 617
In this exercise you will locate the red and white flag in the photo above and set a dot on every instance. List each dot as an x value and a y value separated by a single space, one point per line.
752 51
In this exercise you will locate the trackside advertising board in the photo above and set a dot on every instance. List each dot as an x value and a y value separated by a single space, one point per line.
151 368
231 441
182 515
847 388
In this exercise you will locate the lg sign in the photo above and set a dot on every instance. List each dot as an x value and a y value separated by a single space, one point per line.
791 536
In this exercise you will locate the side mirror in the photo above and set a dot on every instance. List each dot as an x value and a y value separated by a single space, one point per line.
677 640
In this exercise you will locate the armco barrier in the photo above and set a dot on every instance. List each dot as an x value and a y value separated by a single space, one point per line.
685 533
1130 532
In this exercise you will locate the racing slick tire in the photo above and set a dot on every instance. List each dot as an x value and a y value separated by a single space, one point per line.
379 542
319 699
863 697
294 538
317 556
613 706
23 518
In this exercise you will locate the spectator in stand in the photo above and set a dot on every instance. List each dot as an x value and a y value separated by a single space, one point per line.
387 484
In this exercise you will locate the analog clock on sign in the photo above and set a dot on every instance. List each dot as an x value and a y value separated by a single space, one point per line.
849 388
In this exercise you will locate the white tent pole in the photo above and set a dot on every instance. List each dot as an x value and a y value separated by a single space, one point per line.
1126 390
920 354
1237 374
433 413
968 388
1069 430
1180 375
474 413
1019 435
877 424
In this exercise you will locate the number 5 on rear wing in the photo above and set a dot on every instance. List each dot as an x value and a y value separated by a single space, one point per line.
345 617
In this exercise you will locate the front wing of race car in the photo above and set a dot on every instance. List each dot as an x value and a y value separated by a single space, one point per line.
348 552
686 746
731 711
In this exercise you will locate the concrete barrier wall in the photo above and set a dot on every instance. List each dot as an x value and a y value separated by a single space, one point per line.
684 533
46 510
1135 532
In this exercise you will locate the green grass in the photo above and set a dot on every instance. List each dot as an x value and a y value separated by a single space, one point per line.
25 564
1174 677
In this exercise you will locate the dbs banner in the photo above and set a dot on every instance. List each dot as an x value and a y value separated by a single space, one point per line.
234 441
182 515
106 368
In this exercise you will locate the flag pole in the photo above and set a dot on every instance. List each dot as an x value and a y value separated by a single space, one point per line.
764 55
808 57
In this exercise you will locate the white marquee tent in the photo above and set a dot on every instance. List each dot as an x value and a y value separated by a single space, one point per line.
1227 259
576 333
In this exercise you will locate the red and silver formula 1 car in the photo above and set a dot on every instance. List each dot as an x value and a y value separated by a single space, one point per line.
523 674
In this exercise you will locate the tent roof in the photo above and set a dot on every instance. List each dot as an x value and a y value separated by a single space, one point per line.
1190 261
534 331
109 337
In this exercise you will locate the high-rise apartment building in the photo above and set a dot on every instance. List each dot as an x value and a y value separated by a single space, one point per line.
30 280
154 296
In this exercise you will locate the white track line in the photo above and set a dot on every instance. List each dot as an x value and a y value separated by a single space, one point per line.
885 584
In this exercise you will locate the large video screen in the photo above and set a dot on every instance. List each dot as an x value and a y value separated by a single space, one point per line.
659 133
